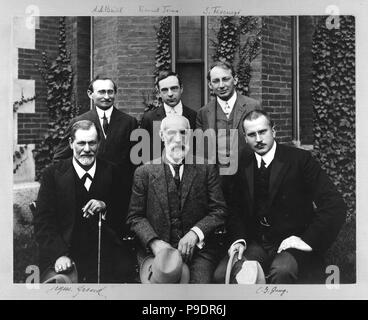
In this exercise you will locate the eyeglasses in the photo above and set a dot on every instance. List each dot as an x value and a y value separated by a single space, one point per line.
174 89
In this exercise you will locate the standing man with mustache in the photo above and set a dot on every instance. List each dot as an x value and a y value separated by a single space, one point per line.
285 211
72 194
224 114
114 124
177 204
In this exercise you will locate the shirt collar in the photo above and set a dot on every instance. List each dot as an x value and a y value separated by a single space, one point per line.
230 102
178 109
268 157
107 112
81 172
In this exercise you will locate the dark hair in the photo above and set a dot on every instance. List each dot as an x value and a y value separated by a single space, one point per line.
165 74
222 64
90 86
83 125
255 114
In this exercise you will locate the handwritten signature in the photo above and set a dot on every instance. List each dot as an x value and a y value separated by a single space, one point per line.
75 291
271 290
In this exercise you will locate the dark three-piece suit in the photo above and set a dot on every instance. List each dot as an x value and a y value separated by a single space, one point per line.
301 201
61 230
158 210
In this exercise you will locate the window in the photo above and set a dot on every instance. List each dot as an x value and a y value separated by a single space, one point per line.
188 58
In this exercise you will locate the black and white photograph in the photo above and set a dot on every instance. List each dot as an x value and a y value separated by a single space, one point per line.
199 150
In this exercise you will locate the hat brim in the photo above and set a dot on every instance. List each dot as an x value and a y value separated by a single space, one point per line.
251 273
50 276
147 262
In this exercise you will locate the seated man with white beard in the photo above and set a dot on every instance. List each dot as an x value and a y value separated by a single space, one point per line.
72 196
178 205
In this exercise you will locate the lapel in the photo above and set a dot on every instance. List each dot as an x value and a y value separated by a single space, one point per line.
160 187
99 180
211 114
189 174
114 121
278 170
65 178
239 108
160 113
249 174
97 122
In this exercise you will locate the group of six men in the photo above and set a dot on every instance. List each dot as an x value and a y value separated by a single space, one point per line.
278 208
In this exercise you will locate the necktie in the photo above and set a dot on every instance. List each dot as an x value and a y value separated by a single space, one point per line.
177 174
105 124
227 110
263 165
87 180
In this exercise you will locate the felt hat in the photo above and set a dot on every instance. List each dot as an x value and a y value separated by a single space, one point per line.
251 271
166 267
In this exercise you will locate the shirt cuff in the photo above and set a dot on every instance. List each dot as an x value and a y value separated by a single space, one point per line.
200 235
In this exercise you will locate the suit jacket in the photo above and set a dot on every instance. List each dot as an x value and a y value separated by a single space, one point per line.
201 201
206 116
56 206
115 147
297 184
157 115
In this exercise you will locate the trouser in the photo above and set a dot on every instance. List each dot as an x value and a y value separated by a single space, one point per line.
280 268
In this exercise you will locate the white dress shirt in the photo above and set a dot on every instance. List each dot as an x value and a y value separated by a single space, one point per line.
81 172
178 109
227 106
107 113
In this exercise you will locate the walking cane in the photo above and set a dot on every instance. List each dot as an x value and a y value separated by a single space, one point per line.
99 248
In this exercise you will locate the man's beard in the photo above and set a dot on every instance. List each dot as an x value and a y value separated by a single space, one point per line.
86 160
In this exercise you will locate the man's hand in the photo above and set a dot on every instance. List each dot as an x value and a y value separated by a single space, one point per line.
93 206
295 243
63 263
186 245
157 245
237 247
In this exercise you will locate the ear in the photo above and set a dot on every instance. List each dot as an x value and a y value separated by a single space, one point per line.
210 85
71 143
273 132
161 133
236 80
89 93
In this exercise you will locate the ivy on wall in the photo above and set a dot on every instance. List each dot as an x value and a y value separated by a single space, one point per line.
227 40
229 47
333 95
162 60
20 156
58 76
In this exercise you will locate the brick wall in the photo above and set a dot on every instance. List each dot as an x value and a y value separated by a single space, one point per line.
306 29
276 82
124 49
31 126
78 39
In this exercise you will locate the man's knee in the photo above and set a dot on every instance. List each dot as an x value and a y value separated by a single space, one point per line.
284 269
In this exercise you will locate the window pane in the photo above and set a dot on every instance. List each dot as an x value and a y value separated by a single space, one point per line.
189 38
191 76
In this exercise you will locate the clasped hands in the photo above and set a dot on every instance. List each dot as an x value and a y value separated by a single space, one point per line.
288 243
186 245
